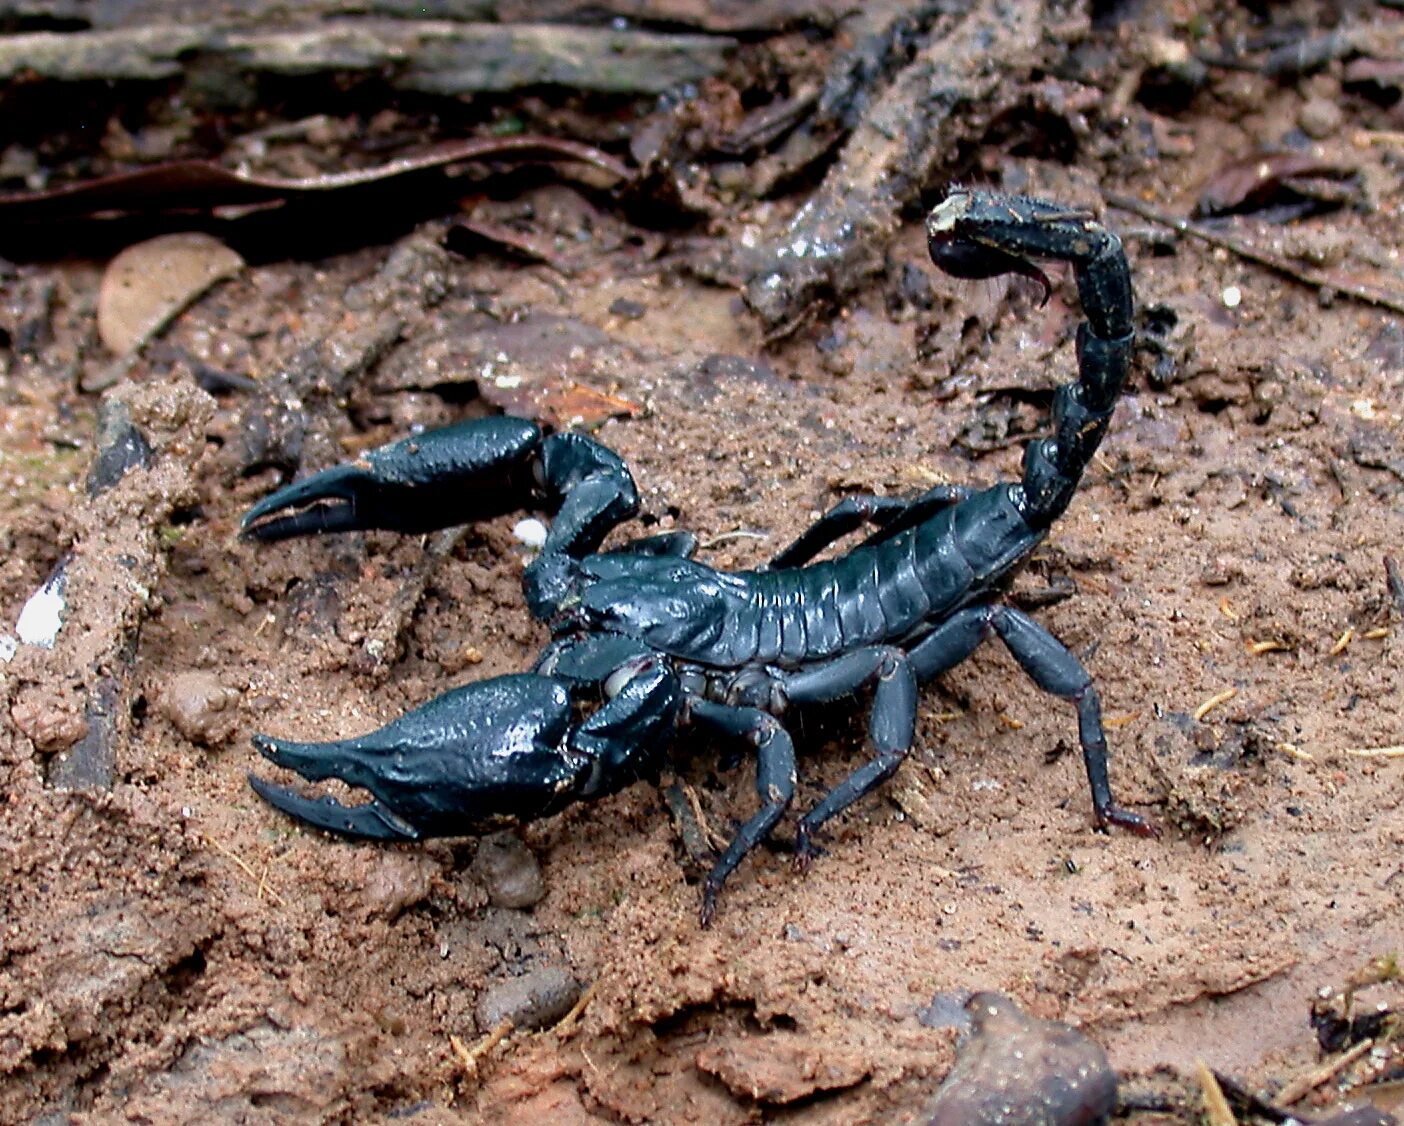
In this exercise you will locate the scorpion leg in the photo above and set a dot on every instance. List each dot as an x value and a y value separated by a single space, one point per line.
678 544
890 514
775 785
891 726
1052 667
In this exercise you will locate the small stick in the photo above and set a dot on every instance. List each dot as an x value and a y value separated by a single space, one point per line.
1377 137
1396 751
1249 1103
1114 722
1216 1107
1318 279
1214 701
469 1057
1305 1084
566 1025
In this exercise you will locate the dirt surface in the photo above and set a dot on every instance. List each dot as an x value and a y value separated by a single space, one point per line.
173 950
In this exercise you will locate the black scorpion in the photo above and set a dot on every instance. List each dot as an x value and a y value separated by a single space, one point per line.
646 639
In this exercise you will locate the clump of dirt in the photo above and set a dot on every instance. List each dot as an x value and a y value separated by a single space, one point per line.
175 950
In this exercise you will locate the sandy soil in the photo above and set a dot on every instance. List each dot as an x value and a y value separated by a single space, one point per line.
173 950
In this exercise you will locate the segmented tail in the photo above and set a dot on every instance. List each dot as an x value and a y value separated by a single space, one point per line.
976 234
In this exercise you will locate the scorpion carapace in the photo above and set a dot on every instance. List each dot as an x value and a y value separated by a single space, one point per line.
646 639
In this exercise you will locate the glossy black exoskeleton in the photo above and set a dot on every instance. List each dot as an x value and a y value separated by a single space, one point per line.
647 639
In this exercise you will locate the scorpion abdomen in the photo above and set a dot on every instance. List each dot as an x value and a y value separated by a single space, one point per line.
992 534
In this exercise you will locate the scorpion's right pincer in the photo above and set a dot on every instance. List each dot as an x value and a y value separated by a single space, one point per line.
648 639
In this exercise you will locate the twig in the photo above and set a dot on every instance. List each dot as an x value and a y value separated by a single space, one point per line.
426 56
727 537
957 82
385 641
566 1025
1249 1103
1305 1084
1216 1107
1319 279
469 1057
1396 751
1115 722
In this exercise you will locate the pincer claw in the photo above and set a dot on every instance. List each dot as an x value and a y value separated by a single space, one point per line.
338 500
490 753
482 468
371 821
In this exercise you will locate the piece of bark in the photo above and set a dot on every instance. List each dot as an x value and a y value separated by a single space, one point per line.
948 94
424 56
71 699
707 15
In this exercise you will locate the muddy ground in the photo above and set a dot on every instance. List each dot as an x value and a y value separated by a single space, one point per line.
174 950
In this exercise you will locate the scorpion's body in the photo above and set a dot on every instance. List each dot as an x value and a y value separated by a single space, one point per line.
647 639
889 592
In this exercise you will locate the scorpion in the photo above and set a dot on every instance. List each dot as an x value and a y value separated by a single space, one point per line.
647 640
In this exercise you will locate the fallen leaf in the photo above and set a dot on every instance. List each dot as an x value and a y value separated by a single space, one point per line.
148 284
1262 179
563 405
201 185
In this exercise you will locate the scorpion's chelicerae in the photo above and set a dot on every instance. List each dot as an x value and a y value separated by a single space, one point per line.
646 639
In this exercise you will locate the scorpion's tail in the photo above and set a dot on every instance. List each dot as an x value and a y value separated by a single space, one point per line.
978 235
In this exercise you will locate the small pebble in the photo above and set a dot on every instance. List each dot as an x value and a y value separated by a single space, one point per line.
531 532
1320 118
200 707
1015 1070
628 309
509 872
537 999
397 881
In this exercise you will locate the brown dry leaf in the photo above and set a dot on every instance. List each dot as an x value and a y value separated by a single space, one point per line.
148 284
1264 178
560 404
202 185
